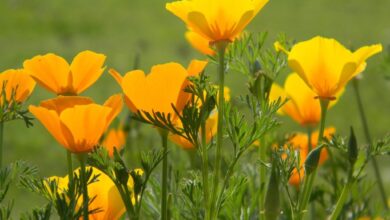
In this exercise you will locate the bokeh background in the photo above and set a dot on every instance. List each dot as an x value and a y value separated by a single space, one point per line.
123 28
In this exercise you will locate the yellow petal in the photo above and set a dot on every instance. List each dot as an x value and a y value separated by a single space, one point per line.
51 72
86 68
50 120
320 62
360 56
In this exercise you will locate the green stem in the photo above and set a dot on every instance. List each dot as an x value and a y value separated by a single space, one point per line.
1 143
205 170
309 179
84 181
70 165
164 184
221 46
262 171
369 140
344 193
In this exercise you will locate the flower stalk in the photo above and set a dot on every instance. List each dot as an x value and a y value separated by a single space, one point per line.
205 170
310 177
369 140
164 184
70 165
82 159
1 143
221 47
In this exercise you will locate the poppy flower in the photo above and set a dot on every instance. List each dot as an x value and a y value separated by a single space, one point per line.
107 198
216 20
300 143
76 122
16 84
325 65
53 72
303 105
160 89
115 138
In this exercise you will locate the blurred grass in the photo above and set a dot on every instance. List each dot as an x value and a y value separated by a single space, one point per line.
122 28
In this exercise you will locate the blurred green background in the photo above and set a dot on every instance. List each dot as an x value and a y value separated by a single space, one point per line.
122 28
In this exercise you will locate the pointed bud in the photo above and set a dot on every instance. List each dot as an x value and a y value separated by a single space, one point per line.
312 159
272 200
353 150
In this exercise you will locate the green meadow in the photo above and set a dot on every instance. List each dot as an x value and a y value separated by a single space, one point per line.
125 29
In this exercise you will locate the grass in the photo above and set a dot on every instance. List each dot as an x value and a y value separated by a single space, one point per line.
122 28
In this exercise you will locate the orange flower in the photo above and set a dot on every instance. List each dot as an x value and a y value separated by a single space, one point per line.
300 142
159 90
17 83
302 105
106 196
115 138
216 20
76 122
200 43
211 126
325 65
56 75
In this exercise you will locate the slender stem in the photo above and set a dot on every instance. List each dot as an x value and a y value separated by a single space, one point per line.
369 140
205 170
221 46
164 184
1 143
70 165
309 141
344 193
309 179
262 171
84 181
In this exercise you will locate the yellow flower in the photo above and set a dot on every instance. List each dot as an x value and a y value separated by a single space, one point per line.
211 126
160 89
76 122
56 75
303 105
115 138
300 142
17 83
200 43
216 20
326 66
107 198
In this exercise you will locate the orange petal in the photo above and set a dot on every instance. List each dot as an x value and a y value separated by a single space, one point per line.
118 78
51 72
61 103
115 103
51 121
86 69
199 43
18 82
196 67
84 125
115 138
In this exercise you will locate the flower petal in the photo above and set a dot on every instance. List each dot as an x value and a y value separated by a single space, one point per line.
84 123
61 103
86 68
50 120
50 71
